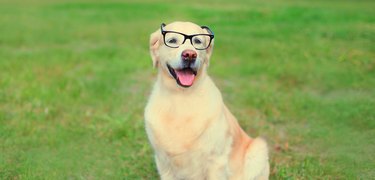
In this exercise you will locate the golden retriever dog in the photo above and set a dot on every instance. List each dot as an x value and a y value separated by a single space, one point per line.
192 132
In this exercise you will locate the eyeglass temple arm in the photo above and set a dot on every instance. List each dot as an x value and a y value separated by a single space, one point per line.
161 26
208 29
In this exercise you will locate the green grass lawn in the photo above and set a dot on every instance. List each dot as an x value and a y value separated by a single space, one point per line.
75 77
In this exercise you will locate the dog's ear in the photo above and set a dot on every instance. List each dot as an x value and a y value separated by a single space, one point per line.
154 46
211 47
209 51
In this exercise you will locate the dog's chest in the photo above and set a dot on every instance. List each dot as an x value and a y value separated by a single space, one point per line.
178 134
180 124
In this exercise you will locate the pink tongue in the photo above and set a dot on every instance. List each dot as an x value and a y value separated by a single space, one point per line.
185 77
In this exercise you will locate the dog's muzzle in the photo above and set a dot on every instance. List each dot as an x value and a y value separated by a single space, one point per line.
185 75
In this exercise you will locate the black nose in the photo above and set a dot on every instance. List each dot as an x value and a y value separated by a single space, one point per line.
189 55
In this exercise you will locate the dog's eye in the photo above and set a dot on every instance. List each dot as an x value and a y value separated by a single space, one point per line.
197 41
172 41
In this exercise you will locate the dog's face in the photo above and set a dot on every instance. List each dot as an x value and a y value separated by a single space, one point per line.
181 51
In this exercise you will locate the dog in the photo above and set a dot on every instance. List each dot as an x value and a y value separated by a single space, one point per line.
192 132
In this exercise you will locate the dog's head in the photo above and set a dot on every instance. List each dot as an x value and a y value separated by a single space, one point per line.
181 51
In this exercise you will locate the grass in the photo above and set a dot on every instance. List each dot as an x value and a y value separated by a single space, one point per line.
75 76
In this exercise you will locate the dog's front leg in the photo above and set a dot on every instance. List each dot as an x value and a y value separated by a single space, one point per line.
166 176
219 170
164 170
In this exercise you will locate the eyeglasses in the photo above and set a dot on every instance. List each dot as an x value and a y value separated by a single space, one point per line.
174 39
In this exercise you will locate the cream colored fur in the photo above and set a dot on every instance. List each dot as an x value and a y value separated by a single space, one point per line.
193 134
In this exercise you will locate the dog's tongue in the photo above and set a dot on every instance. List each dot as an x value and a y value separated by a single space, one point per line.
186 77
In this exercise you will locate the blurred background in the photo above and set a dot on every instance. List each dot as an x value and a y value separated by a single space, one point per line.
75 77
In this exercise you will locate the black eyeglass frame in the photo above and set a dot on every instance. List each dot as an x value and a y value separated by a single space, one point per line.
190 37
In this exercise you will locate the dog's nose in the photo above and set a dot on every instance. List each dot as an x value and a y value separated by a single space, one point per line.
189 55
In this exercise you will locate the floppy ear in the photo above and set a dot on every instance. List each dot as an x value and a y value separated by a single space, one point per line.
210 48
154 46
209 51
